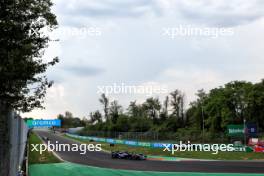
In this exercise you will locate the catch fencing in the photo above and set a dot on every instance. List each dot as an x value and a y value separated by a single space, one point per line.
153 136
139 136
164 137
13 140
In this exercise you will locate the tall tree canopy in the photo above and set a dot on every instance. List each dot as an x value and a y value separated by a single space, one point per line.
22 42
211 111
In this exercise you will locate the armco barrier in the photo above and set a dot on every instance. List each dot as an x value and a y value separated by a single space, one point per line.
118 141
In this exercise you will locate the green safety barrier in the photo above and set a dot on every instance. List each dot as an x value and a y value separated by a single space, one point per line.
144 144
238 148
118 141
71 169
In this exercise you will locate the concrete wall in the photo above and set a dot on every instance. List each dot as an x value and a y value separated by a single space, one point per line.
13 147
18 141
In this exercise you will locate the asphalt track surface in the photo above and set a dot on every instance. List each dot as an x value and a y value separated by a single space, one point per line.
103 159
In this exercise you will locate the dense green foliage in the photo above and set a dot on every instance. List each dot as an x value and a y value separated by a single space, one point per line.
228 104
22 43
68 121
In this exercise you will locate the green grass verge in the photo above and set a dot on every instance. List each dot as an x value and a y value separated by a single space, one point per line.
189 154
35 157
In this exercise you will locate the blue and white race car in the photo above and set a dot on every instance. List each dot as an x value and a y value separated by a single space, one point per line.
127 155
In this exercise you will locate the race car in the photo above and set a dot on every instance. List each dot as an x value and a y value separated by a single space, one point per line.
139 156
121 155
127 155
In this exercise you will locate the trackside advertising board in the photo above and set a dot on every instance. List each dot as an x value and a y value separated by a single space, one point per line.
235 130
252 130
118 141
43 123
239 130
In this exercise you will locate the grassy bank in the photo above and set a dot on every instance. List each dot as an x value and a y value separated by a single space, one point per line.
35 157
195 155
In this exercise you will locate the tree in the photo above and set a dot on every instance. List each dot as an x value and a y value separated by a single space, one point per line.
237 93
164 112
152 106
105 102
68 115
115 110
165 106
95 117
221 106
199 105
133 109
177 104
256 105
23 85
60 116
122 123
69 121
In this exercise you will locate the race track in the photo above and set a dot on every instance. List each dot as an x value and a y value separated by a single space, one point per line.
102 159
